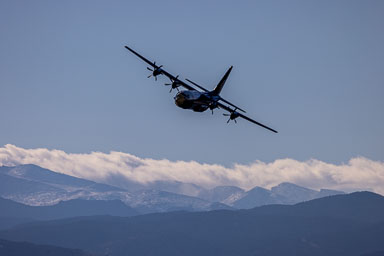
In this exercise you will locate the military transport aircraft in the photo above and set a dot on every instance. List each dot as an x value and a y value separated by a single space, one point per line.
198 101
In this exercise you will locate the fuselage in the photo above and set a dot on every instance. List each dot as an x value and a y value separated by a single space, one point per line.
197 101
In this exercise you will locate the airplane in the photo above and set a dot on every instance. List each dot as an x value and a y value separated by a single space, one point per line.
198 101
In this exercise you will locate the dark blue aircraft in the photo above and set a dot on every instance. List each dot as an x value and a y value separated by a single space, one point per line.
198 101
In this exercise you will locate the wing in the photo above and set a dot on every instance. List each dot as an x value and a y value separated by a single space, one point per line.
141 57
170 76
232 104
198 86
245 117
181 82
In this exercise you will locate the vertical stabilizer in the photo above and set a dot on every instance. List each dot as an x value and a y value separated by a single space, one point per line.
220 85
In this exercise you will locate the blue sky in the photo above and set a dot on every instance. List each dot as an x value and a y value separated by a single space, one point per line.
313 70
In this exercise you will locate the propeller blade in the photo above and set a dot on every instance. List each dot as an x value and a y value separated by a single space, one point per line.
235 121
167 84
228 120
226 114
170 90
149 69
155 78
149 76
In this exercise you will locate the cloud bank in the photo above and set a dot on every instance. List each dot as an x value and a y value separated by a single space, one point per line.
358 174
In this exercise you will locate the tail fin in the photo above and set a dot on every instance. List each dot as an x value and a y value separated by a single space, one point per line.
220 85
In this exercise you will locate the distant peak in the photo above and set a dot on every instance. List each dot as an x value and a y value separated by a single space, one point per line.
288 184
362 194
257 188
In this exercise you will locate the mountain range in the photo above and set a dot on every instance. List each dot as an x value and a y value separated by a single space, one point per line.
36 186
351 224
32 185
47 213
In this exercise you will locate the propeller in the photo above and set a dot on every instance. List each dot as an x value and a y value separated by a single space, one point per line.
155 71
175 84
232 116
212 106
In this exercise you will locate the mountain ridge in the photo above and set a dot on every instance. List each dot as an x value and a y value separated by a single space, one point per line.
11 248
39 186
266 230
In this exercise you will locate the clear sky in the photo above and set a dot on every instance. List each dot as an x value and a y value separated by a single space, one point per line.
313 70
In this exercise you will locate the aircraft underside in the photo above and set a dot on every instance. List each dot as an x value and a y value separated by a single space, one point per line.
195 105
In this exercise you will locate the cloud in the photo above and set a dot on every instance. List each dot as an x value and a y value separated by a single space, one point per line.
359 173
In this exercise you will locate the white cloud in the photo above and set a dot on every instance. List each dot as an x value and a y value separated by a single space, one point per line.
358 173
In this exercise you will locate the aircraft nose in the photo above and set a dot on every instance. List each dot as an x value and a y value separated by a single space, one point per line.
179 99
177 96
